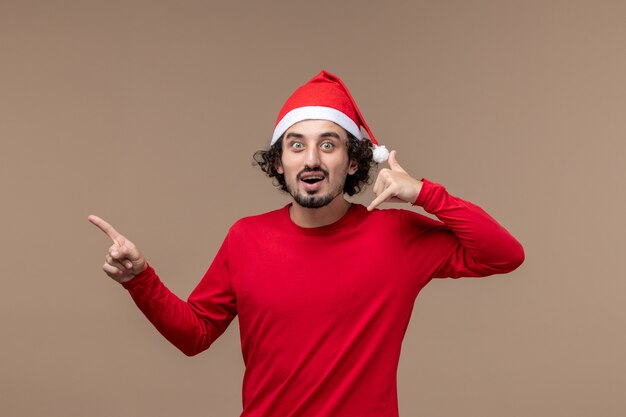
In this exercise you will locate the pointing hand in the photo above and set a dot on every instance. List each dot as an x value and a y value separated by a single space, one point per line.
123 261
394 184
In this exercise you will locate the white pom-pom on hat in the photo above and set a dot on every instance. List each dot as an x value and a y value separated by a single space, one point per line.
380 154
326 97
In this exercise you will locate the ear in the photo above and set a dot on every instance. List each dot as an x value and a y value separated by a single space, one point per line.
353 167
279 167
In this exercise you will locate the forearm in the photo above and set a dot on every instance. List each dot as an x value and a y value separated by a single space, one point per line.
174 318
485 246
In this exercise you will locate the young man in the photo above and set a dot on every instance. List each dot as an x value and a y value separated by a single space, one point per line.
323 288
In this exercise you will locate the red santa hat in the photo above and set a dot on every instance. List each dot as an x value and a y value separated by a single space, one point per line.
326 97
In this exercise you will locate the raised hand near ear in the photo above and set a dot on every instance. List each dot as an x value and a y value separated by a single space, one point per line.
394 184
123 261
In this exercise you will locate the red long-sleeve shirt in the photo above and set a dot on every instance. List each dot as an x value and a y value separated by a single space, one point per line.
323 311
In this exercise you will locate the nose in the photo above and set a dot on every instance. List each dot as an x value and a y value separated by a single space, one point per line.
313 156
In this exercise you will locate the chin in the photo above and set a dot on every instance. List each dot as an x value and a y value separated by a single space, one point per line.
313 201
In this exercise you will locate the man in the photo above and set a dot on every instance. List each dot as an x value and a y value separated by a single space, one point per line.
323 288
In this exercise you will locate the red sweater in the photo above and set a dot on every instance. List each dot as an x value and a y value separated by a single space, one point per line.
323 311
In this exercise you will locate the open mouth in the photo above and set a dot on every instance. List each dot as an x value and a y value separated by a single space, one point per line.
313 179
312 176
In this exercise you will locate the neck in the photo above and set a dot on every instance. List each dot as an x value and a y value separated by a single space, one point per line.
318 217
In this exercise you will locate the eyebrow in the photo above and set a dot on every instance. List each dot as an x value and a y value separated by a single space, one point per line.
330 134
294 135
323 135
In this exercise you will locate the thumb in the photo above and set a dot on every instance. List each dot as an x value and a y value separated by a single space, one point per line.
393 162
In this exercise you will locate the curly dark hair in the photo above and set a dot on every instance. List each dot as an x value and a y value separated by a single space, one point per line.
358 150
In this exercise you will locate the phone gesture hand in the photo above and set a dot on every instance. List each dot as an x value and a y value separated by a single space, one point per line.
394 184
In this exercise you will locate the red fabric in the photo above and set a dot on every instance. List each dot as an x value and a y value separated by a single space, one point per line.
323 311
327 90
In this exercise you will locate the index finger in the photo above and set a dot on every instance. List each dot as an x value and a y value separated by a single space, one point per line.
104 226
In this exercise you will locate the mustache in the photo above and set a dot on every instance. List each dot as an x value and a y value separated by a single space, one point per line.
312 169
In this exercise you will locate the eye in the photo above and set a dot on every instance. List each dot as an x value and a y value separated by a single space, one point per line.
297 145
327 146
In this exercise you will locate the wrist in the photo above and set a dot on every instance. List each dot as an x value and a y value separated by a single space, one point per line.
139 278
418 190
424 190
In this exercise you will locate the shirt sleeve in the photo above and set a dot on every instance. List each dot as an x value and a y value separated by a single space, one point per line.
468 241
194 324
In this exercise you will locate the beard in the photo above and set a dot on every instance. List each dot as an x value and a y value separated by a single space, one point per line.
311 199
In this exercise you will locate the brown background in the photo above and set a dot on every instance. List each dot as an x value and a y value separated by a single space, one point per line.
147 113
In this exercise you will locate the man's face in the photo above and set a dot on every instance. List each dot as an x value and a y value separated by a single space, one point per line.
315 162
